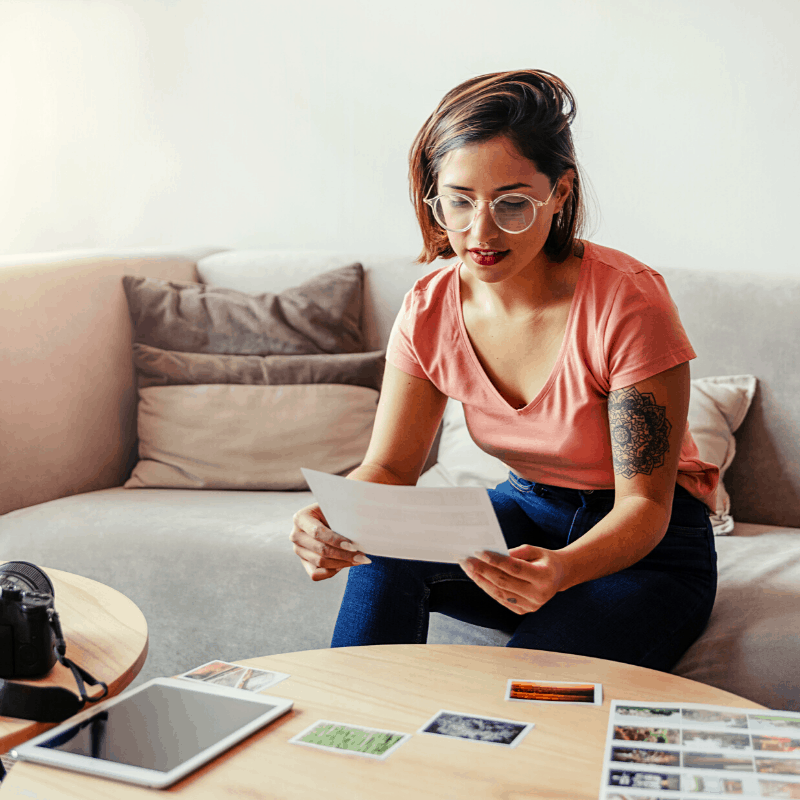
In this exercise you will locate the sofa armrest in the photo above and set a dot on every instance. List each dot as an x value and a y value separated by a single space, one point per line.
68 410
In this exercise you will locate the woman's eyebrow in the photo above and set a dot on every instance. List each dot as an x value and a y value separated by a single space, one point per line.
498 189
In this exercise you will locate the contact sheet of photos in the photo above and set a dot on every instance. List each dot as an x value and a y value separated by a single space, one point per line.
687 751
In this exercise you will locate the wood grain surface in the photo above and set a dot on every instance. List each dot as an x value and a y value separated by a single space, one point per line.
106 634
400 687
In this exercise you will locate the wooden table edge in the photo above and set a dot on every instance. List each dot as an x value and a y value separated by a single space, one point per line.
28 730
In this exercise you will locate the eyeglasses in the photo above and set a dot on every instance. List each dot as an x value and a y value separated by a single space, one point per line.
512 213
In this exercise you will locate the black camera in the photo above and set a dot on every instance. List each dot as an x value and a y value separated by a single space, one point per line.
27 637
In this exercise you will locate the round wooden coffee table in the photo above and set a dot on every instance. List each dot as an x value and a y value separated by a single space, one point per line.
106 634
400 687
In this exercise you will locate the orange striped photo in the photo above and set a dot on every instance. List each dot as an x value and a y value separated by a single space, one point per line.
555 692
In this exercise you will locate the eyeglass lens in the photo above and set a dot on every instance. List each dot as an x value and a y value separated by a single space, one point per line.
456 212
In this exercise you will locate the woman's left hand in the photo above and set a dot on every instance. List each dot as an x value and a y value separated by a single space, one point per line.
522 581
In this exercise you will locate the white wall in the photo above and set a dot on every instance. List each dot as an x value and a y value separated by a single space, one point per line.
250 123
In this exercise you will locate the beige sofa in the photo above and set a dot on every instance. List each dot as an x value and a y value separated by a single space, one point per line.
213 570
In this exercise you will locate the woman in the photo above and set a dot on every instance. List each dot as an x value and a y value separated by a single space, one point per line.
572 366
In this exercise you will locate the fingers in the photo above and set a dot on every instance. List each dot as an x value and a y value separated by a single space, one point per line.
516 583
509 592
322 551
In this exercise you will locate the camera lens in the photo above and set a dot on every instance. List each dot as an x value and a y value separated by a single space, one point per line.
26 577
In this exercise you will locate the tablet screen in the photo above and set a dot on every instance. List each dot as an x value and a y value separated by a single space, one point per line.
157 728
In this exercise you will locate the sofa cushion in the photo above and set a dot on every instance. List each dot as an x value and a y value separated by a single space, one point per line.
750 646
717 407
238 391
216 577
213 572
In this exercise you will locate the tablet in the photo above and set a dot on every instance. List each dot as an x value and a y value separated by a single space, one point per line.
155 734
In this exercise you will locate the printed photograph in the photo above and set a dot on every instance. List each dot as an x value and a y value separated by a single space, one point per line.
789 791
711 785
716 740
477 729
644 780
353 739
718 761
210 670
256 680
775 722
617 796
236 676
230 678
778 766
778 744
729 719
640 755
635 733
646 712
560 692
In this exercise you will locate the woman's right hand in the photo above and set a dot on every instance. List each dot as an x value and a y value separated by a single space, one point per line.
322 551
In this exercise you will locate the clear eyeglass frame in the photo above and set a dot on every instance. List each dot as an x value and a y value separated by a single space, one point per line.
537 204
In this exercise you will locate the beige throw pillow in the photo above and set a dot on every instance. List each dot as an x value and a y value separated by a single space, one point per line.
249 437
238 391
717 407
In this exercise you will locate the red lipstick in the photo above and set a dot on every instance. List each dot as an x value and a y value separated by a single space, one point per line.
487 258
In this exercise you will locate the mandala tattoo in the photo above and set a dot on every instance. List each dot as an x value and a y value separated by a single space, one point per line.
639 432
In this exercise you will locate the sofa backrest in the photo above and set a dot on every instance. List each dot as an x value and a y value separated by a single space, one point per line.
387 278
67 399
742 323
738 324
68 402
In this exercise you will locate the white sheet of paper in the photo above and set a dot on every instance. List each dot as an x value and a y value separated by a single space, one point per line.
424 524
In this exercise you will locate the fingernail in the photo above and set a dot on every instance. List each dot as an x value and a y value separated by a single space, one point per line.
361 559
348 546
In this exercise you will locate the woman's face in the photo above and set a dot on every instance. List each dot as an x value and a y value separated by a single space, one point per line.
483 172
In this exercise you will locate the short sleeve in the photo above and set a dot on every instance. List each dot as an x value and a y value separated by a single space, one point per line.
400 349
644 334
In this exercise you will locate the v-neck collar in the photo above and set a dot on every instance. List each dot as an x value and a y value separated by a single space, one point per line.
561 352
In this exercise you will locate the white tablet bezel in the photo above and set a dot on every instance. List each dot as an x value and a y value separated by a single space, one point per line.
31 751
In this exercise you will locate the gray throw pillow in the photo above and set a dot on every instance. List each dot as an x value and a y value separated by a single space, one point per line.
322 315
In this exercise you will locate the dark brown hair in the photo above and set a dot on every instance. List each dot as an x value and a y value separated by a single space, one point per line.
534 109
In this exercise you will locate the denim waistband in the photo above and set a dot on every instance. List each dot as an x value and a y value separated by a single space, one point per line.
575 496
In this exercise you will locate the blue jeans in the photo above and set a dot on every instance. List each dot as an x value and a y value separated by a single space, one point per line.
647 614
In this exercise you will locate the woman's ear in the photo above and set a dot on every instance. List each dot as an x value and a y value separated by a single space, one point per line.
564 189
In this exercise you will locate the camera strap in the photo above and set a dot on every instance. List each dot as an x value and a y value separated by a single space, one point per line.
49 703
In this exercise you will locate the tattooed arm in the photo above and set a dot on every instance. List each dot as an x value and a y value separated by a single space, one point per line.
646 423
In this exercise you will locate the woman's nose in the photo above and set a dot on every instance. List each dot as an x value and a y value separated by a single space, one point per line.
484 226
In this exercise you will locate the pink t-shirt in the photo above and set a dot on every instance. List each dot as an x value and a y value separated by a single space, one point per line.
622 328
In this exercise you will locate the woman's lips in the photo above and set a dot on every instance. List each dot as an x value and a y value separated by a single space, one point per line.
487 258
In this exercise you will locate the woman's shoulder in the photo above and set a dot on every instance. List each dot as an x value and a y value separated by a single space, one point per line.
614 261
620 286
431 289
